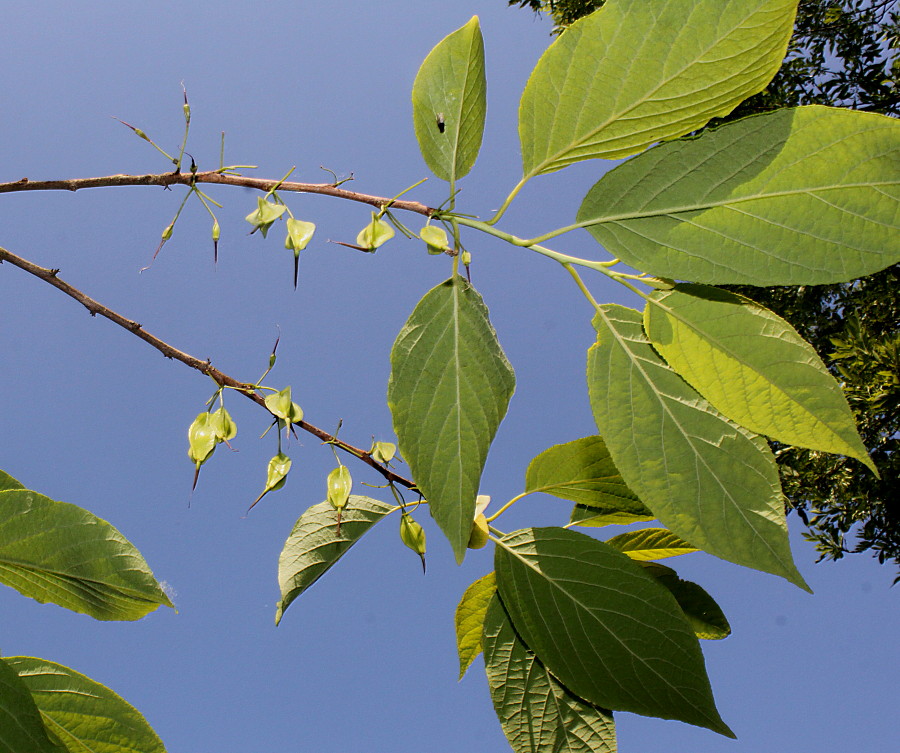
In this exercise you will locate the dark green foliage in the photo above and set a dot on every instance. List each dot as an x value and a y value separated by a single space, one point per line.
844 53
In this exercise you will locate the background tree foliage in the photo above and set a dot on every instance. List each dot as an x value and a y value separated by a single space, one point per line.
844 53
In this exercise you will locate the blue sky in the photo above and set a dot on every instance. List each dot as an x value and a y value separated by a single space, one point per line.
365 661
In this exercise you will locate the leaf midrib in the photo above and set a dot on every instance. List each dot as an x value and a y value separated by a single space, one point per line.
685 435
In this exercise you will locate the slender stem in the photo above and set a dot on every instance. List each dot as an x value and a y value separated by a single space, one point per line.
509 200
507 506
213 176
278 184
51 276
580 283
600 266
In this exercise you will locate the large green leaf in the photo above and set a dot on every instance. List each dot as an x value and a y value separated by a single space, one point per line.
54 551
536 712
8 482
470 619
449 102
634 73
650 544
708 480
84 715
449 389
605 628
315 544
800 196
21 727
753 367
582 472
702 612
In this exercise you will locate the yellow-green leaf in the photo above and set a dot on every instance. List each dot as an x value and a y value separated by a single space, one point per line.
753 367
708 480
808 195
22 729
583 472
633 73
82 714
650 544
61 553
470 619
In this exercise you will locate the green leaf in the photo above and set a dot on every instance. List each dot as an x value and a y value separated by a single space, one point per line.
634 73
596 517
54 551
583 472
601 625
21 727
84 715
536 712
470 619
650 544
797 196
8 482
710 481
702 612
315 545
449 389
449 99
753 367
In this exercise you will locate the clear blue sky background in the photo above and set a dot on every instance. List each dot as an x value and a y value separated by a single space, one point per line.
365 661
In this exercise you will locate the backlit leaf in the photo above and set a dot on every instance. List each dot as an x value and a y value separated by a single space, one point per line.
21 727
470 620
449 102
797 196
315 545
633 73
54 551
583 472
753 367
595 517
650 544
708 480
84 715
8 482
603 627
536 712
449 389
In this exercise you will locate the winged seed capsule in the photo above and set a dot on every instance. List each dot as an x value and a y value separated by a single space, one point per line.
413 535
339 485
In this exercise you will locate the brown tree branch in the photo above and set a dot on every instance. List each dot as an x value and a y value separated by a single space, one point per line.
212 176
51 277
